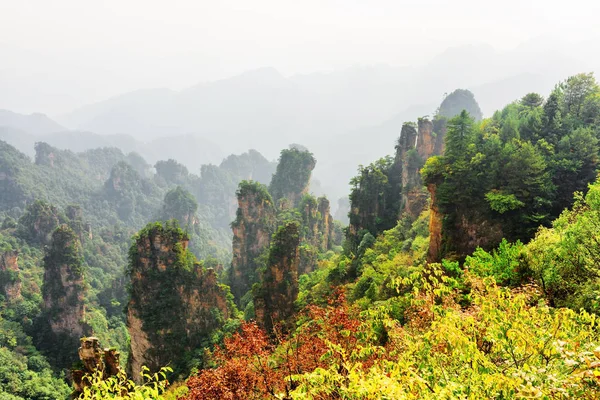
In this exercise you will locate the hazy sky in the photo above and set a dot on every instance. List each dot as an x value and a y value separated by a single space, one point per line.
60 54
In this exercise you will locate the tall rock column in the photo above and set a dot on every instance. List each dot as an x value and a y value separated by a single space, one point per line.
326 227
10 283
63 292
252 230
175 302
274 297
292 177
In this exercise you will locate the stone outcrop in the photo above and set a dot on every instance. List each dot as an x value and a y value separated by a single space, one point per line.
326 227
10 282
38 222
93 359
317 222
181 205
461 235
275 296
428 143
389 188
64 287
45 154
435 227
74 214
175 302
252 230
292 176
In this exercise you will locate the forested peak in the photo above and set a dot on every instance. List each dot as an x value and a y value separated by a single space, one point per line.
292 176
167 280
171 171
64 291
250 166
122 178
181 205
253 188
38 222
44 154
455 102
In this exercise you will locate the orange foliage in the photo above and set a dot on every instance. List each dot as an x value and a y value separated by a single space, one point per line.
250 365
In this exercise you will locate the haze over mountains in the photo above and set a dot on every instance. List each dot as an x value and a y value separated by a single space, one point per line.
328 112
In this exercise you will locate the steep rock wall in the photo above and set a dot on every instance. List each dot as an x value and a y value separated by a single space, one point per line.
252 230
10 283
64 288
275 296
175 303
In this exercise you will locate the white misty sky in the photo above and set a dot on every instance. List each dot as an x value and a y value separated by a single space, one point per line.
59 54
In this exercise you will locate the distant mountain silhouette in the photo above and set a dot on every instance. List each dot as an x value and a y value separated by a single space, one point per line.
35 124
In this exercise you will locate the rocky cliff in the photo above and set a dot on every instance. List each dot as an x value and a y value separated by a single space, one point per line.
275 295
93 359
428 142
10 283
64 288
38 222
317 222
435 227
390 187
326 226
252 230
62 322
175 302
292 176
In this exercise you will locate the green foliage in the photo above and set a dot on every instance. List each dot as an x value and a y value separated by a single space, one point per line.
292 176
171 171
516 171
502 203
24 372
565 258
374 201
118 387
167 279
506 264
179 204
38 222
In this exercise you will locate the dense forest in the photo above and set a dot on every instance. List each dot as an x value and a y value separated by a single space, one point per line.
468 267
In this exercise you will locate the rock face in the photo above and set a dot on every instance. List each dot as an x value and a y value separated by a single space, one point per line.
44 154
392 187
94 358
64 287
74 214
38 222
428 143
292 177
175 302
252 230
274 297
181 205
10 283
317 222
453 238
326 226
435 227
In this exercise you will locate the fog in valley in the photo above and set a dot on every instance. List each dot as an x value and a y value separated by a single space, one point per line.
199 80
